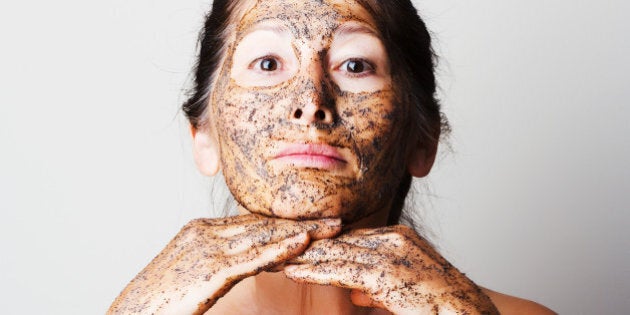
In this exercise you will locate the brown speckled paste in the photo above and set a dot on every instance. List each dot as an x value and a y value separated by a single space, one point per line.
250 121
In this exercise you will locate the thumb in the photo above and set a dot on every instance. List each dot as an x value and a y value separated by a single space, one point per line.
359 298
323 228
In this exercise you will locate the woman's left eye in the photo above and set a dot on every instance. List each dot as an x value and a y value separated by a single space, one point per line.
357 67
268 64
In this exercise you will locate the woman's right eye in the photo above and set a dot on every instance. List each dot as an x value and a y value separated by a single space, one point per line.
263 58
266 64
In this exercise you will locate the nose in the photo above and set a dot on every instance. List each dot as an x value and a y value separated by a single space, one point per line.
316 104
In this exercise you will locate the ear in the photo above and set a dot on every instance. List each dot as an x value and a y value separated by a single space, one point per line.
421 159
206 150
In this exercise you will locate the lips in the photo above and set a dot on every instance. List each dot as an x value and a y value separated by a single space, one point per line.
321 156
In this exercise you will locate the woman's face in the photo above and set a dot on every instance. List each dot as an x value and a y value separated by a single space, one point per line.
304 112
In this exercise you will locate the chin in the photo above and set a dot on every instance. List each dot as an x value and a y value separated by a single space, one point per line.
291 206
308 195
307 207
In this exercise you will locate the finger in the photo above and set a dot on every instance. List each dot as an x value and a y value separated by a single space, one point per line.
318 229
240 224
396 240
349 275
223 227
254 224
373 242
267 257
233 220
229 230
259 231
322 229
359 298
336 250
397 229
267 231
259 237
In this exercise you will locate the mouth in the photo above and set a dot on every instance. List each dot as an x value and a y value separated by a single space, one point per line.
318 156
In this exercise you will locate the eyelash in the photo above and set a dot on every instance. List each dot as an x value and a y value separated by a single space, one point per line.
369 68
257 64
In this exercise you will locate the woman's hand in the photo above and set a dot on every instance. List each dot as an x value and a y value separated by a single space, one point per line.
391 268
209 256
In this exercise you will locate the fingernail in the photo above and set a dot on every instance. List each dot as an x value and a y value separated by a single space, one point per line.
332 222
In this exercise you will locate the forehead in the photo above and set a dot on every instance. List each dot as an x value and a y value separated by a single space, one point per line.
305 18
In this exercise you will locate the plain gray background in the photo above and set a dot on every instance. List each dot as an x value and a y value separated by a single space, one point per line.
96 173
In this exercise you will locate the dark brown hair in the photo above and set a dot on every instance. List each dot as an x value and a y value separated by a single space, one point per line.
408 45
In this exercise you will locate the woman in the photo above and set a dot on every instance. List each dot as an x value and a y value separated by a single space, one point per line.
318 113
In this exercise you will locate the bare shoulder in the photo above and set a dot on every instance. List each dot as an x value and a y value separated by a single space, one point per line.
510 305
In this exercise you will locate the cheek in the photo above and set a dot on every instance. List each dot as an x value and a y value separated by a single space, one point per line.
245 117
371 119
377 129
246 120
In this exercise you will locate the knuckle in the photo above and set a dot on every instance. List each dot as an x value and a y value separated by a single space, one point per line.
396 237
194 223
195 228
309 226
403 229
192 226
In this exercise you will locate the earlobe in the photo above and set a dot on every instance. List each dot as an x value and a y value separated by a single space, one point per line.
206 150
421 160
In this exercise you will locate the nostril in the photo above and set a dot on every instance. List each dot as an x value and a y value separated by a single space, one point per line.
320 115
297 114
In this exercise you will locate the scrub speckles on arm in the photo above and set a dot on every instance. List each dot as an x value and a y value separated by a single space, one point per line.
392 268
209 256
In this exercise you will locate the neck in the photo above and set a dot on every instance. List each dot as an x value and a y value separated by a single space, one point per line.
276 292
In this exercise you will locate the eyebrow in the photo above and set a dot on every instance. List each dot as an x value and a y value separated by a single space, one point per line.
271 26
353 28
341 31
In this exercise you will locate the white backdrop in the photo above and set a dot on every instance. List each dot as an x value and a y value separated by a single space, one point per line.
96 174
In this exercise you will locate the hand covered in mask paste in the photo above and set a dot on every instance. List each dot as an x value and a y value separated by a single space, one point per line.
209 256
391 268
